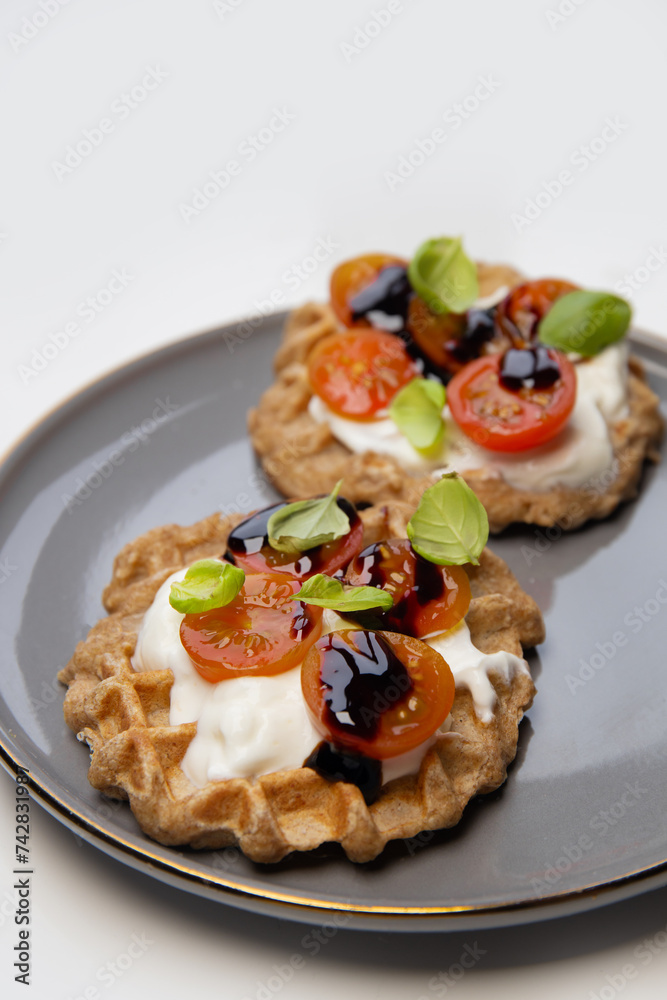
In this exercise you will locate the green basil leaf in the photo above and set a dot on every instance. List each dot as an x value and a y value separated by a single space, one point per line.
329 593
207 584
450 526
585 322
443 275
417 412
307 523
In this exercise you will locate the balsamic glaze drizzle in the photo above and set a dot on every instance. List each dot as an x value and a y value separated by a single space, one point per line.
371 570
480 328
251 536
528 367
341 765
384 303
359 680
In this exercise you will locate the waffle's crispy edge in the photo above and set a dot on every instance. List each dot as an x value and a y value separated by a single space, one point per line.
302 457
136 754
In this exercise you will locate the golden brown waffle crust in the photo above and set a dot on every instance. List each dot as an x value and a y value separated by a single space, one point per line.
136 754
301 456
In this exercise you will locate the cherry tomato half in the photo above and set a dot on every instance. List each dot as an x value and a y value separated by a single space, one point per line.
449 341
376 693
428 599
248 547
435 335
518 315
360 371
507 420
352 276
261 632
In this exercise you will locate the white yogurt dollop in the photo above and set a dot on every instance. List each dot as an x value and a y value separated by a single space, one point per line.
250 726
581 452
604 378
381 436
245 726
471 667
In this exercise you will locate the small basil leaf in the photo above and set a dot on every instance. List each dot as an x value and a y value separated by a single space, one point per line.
305 524
443 275
585 322
329 593
417 412
207 584
450 526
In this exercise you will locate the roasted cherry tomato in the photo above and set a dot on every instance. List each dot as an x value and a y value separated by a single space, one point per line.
359 372
261 632
353 276
518 315
248 547
376 693
504 419
428 599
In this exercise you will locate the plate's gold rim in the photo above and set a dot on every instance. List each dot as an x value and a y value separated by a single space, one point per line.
59 808
99 836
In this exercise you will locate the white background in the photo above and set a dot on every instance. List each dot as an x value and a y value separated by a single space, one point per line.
359 104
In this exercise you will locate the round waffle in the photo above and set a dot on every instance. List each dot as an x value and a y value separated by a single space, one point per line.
301 456
136 754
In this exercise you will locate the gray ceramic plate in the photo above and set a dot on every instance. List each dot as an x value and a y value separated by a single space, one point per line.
581 820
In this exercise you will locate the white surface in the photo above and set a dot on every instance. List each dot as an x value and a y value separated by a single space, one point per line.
548 91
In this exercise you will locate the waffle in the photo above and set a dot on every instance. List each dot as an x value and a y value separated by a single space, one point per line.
123 716
301 456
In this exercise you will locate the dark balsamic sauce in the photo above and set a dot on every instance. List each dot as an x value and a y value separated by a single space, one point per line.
480 328
371 568
361 680
341 765
251 536
429 585
528 367
384 303
303 623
